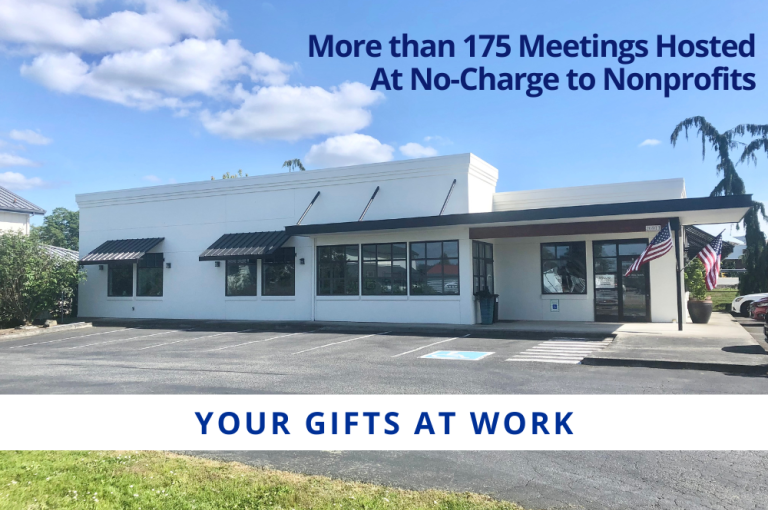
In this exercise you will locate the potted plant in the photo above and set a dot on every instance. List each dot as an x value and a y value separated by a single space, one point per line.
699 304
487 303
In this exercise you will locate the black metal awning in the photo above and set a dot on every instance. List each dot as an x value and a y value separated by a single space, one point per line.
123 250
247 245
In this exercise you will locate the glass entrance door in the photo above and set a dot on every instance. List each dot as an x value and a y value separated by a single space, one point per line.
620 298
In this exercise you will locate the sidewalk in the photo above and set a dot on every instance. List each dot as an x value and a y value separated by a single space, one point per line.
723 345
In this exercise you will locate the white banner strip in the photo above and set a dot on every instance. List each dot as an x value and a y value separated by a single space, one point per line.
383 422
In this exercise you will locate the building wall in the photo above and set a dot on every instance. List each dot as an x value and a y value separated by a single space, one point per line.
517 263
14 221
192 216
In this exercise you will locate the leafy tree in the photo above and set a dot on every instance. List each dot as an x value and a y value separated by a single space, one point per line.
293 164
32 279
231 176
60 228
756 254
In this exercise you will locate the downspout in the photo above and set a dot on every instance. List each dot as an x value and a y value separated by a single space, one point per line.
314 277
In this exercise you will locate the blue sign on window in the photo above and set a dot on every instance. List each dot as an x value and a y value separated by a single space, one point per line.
459 355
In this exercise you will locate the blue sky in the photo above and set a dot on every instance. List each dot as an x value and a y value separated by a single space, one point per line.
96 97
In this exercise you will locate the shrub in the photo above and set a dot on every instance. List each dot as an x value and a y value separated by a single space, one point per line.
32 279
694 280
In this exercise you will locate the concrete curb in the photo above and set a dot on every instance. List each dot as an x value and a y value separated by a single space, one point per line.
677 365
42 331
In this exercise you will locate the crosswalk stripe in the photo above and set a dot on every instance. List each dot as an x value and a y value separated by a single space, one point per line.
561 350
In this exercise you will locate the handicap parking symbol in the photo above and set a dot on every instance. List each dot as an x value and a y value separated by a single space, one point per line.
457 355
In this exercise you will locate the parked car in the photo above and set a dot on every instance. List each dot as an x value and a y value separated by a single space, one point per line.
740 305
758 308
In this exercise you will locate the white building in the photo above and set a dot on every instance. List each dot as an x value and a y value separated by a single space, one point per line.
15 212
405 241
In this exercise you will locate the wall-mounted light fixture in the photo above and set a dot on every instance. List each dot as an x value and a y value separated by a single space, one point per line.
101 267
301 261
167 265
217 264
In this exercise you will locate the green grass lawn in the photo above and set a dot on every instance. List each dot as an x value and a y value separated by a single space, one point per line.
722 298
149 480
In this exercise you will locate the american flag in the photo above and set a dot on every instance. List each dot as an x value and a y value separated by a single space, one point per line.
660 245
710 257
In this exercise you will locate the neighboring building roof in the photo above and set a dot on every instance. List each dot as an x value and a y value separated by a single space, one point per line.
123 250
696 239
248 245
62 252
728 209
11 202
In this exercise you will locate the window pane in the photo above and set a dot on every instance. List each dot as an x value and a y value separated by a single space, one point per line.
399 251
369 252
352 252
451 285
323 254
547 251
384 251
279 277
434 250
241 279
605 265
149 281
489 251
451 248
605 250
632 248
418 250
120 280
475 249
563 252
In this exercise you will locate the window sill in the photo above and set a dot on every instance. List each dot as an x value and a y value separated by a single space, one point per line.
278 298
119 298
436 297
149 298
384 297
241 298
577 297
338 298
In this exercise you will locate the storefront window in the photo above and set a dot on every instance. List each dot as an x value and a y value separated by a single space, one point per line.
241 277
385 269
149 275
120 280
338 270
279 273
435 268
564 268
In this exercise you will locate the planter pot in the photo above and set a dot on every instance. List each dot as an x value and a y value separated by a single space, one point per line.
700 311
486 309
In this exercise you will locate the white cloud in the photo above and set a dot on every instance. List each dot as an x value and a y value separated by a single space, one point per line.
165 54
13 160
161 77
290 113
43 25
649 142
415 150
29 136
17 182
354 149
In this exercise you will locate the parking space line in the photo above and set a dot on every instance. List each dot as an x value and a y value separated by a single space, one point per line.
255 341
196 338
342 342
71 338
126 339
430 345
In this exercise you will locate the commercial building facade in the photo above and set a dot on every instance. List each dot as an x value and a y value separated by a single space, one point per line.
406 241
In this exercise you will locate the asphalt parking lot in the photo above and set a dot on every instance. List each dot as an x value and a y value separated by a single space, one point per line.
201 358
248 358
